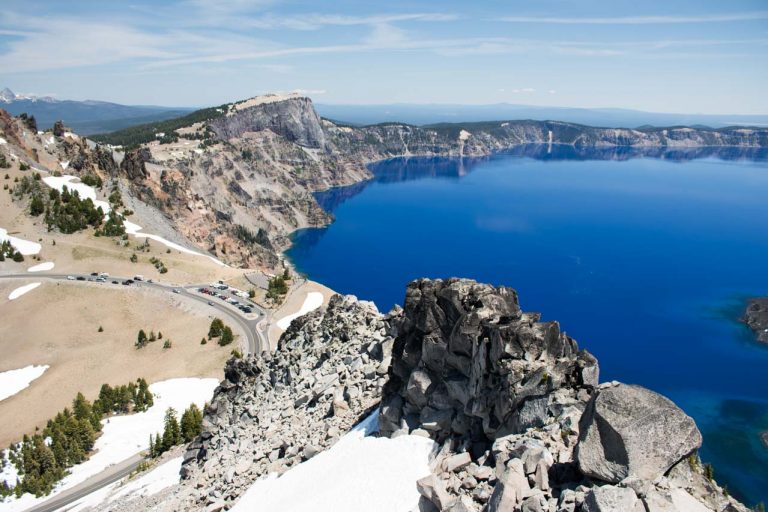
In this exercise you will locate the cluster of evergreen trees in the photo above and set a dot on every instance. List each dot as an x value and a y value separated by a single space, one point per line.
142 339
136 135
221 331
43 458
67 211
277 287
176 433
7 251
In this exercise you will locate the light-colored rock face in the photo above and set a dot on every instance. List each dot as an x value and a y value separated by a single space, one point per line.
612 499
629 431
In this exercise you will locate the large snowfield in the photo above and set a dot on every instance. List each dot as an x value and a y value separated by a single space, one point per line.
313 301
124 436
13 381
358 473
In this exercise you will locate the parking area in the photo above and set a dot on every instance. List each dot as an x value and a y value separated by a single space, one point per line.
238 299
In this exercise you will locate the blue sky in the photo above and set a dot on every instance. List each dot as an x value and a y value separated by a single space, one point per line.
681 56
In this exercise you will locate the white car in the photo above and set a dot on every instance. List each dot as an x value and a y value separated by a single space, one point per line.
70 278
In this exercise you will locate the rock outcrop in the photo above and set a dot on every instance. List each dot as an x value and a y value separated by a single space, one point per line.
522 423
514 406
467 361
756 317
272 413
134 164
292 117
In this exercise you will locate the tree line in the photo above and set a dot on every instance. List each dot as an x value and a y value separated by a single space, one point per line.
68 438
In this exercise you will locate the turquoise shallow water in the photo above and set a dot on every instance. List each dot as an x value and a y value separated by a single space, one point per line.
645 259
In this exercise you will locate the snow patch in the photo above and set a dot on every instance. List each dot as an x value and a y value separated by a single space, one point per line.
124 436
3 141
25 247
21 290
313 301
381 472
13 381
64 164
48 265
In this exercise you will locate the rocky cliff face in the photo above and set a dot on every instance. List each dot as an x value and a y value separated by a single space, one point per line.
294 118
519 418
756 317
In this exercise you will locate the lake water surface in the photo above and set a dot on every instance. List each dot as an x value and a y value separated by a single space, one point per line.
645 259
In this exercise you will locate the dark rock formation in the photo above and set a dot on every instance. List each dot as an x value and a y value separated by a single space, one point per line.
133 164
59 129
615 431
467 361
756 317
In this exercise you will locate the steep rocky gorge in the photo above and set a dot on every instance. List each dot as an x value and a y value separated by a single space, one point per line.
518 416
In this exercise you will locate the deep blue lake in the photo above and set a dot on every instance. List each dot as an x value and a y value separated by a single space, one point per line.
645 259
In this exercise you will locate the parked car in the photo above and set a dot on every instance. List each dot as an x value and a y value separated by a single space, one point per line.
210 303
94 273
71 278
176 290
80 278
115 282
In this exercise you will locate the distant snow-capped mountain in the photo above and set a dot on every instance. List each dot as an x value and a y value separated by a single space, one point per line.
85 117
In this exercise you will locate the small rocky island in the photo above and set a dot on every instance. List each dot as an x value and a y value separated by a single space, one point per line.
756 317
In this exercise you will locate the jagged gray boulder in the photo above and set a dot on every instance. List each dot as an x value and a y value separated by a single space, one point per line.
630 431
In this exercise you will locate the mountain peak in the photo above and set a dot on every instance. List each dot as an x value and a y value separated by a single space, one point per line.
7 95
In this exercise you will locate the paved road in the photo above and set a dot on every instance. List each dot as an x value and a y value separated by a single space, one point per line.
110 475
255 332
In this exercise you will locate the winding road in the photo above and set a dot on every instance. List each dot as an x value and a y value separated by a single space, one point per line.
255 329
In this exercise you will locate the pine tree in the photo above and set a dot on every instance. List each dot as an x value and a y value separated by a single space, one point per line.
226 336
172 431
217 326
158 445
191 423
141 339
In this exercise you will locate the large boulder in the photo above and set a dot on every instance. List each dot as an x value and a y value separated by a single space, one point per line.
630 431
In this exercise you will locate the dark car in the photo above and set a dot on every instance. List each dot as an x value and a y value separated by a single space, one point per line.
80 278
126 283
115 282
94 274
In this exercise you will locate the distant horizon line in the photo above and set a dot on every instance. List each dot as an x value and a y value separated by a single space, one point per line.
33 96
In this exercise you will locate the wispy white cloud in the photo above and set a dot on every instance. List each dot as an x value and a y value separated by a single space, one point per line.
317 21
639 20
522 90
